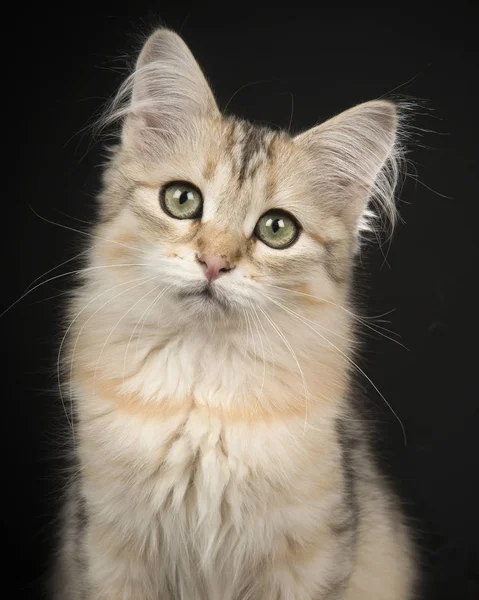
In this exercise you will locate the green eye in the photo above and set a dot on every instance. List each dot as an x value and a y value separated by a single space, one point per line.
277 229
182 200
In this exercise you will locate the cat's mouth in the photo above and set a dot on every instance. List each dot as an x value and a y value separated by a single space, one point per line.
207 295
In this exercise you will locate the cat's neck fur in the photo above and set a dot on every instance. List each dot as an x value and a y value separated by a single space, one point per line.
259 364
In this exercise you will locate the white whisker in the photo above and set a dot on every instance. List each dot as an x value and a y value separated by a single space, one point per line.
92 235
266 337
74 348
76 272
142 281
58 266
116 325
254 319
357 367
249 330
293 354
145 315
362 320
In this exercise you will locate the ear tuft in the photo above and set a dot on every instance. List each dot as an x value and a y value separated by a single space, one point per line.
162 100
356 160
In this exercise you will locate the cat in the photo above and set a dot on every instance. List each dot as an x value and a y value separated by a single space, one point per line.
209 355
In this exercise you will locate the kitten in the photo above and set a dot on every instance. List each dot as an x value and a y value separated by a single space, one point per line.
209 358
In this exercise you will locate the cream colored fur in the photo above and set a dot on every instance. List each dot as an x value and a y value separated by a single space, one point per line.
219 454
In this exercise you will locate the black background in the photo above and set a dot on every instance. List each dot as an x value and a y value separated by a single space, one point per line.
301 66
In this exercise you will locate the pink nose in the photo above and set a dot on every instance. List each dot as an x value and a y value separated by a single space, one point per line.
213 266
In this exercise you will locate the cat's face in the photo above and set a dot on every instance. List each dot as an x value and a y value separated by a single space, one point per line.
230 220
222 217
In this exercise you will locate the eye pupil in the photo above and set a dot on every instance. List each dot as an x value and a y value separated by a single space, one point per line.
184 197
275 225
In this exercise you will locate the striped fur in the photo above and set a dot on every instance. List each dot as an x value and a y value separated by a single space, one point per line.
220 454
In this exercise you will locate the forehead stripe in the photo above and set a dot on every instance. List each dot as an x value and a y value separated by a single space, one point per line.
253 142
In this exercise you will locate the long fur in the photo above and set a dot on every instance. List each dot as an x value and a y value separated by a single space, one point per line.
220 454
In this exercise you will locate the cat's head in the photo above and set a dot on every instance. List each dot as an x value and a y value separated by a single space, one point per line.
219 215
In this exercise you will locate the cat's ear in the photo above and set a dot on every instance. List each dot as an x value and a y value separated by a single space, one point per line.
354 157
167 94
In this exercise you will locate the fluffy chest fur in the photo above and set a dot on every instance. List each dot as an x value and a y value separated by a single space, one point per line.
205 485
